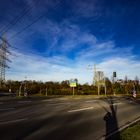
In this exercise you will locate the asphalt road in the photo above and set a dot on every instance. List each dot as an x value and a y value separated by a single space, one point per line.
66 118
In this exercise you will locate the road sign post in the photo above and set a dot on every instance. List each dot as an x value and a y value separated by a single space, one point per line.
73 84
73 90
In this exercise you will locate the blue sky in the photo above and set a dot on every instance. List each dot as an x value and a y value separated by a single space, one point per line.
58 39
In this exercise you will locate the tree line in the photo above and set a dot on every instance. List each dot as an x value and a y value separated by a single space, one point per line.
63 88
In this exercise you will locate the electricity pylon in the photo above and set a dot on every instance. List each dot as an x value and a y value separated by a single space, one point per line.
3 60
99 79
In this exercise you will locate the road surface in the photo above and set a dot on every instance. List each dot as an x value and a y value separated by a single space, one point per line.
66 118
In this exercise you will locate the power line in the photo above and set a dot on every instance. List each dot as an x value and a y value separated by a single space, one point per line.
3 46
14 21
24 12
29 25
26 27
15 48
23 29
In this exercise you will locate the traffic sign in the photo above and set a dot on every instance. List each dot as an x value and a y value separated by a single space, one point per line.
73 83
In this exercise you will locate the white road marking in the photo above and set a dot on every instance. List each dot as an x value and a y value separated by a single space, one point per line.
24 101
117 103
6 109
59 103
90 101
46 100
81 109
13 121
53 103
133 102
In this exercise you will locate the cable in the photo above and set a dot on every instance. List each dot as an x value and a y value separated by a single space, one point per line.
15 48
26 27
25 11
23 29
29 25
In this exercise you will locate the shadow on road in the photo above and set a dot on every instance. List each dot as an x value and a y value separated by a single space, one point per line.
111 121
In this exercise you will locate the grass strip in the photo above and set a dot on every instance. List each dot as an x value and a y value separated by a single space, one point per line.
131 133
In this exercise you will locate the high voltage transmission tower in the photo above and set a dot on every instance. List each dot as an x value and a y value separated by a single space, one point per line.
3 60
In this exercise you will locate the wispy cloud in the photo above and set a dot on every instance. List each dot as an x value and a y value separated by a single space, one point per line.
123 66
87 8
60 68
65 38
45 69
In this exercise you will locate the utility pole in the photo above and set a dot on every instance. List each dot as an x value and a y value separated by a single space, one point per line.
3 59
99 79
20 89
25 87
25 84
46 91
94 78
